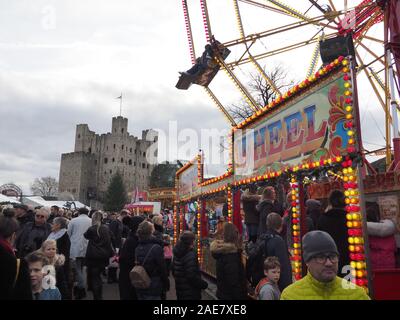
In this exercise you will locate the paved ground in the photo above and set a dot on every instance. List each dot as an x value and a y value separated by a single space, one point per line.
110 291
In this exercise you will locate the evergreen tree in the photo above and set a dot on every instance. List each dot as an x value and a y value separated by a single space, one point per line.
163 175
115 197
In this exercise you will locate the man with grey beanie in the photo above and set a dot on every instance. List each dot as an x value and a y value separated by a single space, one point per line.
321 256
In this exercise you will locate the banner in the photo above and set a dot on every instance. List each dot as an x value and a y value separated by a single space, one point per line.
188 182
310 128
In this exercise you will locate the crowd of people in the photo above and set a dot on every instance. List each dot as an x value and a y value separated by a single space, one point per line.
44 253
268 225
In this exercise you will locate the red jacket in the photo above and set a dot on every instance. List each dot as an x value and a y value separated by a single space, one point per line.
382 252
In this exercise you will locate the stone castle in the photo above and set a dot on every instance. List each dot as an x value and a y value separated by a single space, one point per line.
87 172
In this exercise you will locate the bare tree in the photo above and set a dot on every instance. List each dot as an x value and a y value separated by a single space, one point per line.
45 186
261 91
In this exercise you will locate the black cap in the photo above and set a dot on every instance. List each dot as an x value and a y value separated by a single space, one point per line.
21 206
317 242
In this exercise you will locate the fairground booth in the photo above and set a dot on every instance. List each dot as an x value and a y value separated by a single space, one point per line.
307 142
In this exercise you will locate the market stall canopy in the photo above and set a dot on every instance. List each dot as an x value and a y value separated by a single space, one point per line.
39 201
6 199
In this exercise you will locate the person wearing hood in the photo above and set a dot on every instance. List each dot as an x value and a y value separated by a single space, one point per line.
150 254
14 273
231 280
60 235
127 258
382 244
49 249
265 207
334 223
186 270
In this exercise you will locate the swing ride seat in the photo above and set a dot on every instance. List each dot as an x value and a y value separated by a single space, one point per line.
204 76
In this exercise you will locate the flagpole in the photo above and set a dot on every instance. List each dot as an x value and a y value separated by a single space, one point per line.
120 106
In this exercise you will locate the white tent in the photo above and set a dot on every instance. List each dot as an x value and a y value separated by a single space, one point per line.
39 201
4 198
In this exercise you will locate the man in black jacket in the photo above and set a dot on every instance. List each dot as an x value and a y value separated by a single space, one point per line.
275 246
33 233
24 214
334 222
265 207
186 270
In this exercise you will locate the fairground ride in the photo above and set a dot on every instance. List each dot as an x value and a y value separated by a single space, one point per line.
359 47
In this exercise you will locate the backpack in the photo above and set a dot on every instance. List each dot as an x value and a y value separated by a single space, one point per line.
138 275
255 259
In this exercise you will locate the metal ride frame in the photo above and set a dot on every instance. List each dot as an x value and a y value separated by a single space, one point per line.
345 167
367 14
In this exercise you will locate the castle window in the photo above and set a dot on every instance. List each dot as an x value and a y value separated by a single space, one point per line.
107 148
130 162
95 162
135 151
105 160
143 165
79 136
130 150
110 171
90 150
113 160
114 146
73 190
134 163
144 154
147 166
122 130
122 160
122 148
105 172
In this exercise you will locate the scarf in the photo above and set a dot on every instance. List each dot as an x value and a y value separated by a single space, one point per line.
56 235
7 246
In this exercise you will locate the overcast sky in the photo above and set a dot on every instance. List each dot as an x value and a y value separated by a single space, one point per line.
64 62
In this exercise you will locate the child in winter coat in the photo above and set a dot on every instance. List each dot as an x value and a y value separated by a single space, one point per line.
49 249
267 288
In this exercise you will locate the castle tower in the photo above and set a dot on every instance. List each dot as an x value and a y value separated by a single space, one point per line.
119 126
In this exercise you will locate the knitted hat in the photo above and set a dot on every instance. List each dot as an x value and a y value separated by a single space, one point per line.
317 242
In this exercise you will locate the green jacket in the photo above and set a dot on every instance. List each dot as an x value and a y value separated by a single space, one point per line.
309 288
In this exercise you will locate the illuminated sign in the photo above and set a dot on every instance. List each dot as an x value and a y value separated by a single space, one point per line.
310 128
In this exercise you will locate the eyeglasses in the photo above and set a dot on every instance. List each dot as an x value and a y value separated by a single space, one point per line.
321 258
